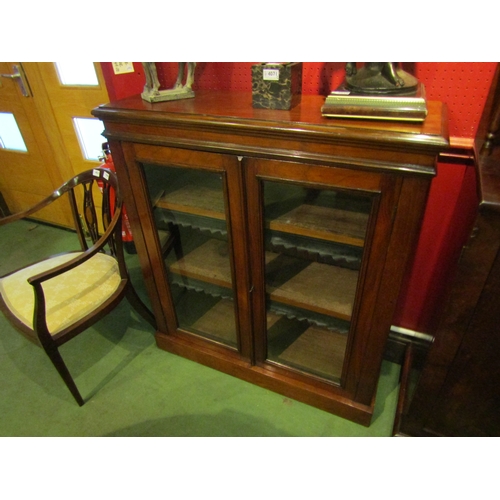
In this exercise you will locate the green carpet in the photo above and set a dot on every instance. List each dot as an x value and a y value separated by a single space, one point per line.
132 388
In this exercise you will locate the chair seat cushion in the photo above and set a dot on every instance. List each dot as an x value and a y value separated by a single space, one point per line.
69 297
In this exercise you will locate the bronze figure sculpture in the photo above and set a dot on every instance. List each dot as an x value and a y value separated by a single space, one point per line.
379 78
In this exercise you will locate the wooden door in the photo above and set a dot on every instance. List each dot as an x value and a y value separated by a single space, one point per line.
49 121
188 205
70 104
28 172
320 236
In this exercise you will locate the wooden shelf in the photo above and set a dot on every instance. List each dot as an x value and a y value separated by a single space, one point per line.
318 351
341 226
317 250
218 323
209 262
321 288
198 200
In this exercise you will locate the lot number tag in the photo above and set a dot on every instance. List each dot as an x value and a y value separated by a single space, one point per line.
271 74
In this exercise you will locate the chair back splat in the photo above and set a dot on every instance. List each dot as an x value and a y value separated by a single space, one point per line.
55 299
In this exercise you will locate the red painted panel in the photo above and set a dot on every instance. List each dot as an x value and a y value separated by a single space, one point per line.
125 85
447 221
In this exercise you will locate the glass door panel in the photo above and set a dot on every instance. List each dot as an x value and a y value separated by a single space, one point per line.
77 73
190 215
10 135
314 241
89 132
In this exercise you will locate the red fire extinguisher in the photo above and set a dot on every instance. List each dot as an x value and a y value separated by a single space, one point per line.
128 240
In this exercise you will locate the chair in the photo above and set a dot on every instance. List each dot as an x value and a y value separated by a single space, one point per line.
52 301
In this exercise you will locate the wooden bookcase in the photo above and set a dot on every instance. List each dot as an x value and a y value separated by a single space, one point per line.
287 235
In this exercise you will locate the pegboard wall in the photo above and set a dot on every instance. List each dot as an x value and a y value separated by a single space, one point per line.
462 86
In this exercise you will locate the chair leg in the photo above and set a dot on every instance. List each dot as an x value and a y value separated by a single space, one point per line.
139 305
61 367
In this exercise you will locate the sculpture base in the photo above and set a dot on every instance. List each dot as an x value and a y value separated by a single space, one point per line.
168 95
343 103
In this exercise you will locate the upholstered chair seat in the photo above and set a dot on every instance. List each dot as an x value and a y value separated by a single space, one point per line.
68 297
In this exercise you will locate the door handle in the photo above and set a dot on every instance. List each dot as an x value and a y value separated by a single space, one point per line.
21 79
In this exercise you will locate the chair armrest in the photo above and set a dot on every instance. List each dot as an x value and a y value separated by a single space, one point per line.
29 211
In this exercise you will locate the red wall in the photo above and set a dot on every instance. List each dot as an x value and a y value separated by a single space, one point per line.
462 86
452 200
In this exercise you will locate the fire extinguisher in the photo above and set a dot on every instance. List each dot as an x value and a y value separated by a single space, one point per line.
128 240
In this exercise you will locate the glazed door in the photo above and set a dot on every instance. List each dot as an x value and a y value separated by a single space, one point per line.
198 224
312 232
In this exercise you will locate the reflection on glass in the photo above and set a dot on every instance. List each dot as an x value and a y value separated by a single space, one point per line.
89 132
314 243
191 221
10 135
77 73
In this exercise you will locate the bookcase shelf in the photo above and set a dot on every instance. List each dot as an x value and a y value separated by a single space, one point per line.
317 287
196 200
324 223
318 351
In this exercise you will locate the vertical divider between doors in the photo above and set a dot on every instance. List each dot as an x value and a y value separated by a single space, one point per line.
256 260
237 230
